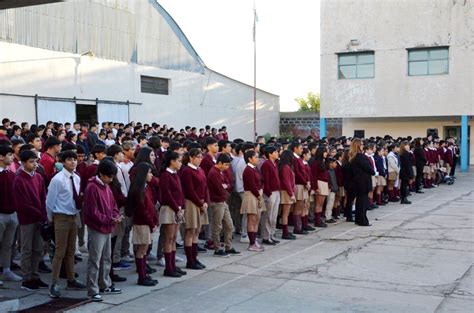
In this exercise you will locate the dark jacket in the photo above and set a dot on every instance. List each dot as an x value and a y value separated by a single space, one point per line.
419 157
406 166
380 166
347 177
362 172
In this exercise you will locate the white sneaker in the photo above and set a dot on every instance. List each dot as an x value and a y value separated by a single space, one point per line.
151 256
83 249
161 262
77 253
244 239
179 259
10 276
255 248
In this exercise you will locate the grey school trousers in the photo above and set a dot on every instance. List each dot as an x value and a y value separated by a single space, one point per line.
99 262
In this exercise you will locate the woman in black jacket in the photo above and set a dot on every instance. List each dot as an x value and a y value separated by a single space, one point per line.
420 162
406 171
362 173
348 186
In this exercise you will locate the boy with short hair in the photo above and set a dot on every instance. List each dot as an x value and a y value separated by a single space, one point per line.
31 210
333 188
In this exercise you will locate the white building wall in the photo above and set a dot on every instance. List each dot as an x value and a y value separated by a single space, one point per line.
194 99
389 28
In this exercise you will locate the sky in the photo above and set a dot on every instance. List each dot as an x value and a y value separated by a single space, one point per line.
287 41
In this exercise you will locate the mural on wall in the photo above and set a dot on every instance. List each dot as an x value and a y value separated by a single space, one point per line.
297 124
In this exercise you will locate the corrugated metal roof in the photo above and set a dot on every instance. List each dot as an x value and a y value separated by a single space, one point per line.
138 31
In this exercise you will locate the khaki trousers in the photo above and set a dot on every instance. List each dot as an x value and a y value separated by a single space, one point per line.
221 221
31 250
65 235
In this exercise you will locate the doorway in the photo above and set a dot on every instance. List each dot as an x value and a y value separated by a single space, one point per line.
86 113
455 132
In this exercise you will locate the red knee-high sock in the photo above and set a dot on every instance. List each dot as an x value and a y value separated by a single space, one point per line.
285 230
189 255
168 264
173 259
140 264
379 199
252 237
195 252
317 218
304 220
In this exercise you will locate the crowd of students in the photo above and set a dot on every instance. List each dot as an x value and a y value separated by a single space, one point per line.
122 183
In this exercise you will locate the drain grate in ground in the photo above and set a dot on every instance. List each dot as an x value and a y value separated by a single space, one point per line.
57 305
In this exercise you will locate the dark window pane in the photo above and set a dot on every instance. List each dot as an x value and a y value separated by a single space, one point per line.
155 85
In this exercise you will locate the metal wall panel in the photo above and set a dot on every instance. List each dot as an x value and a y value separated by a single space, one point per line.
131 31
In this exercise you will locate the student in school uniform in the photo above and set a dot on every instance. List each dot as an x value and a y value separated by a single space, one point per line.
271 195
340 194
302 187
141 208
306 155
333 188
48 159
393 172
287 191
369 153
101 214
218 194
99 152
8 216
449 158
381 181
196 195
252 202
420 162
63 205
320 176
30 191
171 211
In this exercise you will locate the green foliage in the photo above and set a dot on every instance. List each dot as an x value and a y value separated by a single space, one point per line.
311 103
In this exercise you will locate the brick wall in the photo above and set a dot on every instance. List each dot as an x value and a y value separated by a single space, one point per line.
303 124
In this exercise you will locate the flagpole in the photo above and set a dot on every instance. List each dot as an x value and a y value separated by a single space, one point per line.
254 72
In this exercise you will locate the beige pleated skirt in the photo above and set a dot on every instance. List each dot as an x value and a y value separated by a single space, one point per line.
381 181
141 235
192 215
285 197
251 204
323 188
300 193
392 176
168 216
341 192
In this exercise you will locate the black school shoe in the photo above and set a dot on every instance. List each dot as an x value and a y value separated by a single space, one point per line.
153 280
149 269
232 252
171 274
146 282
41 284
180 271
30 285
43 268
301 232
200 264
201 249
75 285
117 279
309 228
274 240
290 236
268 242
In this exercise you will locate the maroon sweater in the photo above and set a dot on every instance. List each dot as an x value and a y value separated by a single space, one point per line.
287 180
300 172
6 195
207 163
30 198
215 179
171 193
194 183
145 213
318 174
271 179
87 174
48 161
99 207
252 181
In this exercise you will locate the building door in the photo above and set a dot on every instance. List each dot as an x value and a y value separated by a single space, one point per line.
60 111
116 112
455 132
86 113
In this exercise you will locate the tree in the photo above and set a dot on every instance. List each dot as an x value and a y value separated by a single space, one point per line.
311 103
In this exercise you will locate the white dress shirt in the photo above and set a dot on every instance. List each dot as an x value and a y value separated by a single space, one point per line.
238 167
60 196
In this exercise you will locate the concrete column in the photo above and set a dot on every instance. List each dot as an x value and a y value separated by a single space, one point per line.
322 127
464 155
